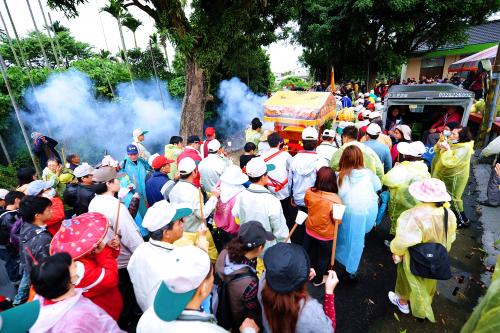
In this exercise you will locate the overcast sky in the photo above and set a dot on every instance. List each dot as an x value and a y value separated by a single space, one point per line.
87 28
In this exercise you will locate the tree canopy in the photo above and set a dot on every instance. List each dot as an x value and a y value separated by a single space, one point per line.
361 35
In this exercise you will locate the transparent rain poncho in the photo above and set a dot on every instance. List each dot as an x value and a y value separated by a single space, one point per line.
421 224
398 179
453 167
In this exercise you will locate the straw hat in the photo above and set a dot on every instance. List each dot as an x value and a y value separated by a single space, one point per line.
429 190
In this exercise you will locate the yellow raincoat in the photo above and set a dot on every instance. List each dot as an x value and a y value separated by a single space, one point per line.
370 158
398 179
453 167
172 152
252 135
422 224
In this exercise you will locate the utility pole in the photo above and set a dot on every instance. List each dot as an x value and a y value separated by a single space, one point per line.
491 104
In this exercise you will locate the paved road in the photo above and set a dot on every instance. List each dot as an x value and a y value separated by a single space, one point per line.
364 307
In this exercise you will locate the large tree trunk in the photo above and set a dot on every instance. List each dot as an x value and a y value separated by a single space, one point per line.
193 105
372 75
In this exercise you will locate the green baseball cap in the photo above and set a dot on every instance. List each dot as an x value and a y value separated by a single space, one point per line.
19 319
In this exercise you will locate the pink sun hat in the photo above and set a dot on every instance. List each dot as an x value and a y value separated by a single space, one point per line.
429 190
80 235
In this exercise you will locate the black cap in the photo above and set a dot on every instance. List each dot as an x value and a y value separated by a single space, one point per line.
287 267
253 234
193 139
452 125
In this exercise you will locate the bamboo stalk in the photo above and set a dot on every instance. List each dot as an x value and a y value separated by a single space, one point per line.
3 68
156 76
49 33
5 151
47 63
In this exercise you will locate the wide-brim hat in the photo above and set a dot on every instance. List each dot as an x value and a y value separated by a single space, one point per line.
80 235
106 174
406 130
429 190
234 176
416 149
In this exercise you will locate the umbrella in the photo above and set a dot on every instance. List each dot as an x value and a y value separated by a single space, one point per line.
471 62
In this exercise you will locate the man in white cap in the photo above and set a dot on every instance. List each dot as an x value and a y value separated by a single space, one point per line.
3 193
213 166
376 118
149 263
78 196
328 146
176 305
186 194
378 104
363 118
138 139
373 132
302 174
257 203
278 178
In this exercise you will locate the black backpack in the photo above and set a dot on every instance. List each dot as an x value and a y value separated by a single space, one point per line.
430 260
223 312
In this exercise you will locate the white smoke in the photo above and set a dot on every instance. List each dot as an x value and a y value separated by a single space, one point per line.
89 125
239 106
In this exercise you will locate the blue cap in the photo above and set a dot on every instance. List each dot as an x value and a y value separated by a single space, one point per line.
38 186
132 149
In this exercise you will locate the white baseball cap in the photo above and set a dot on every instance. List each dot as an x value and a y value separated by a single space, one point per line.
310 133
109 161
186 166
233 175
163 213
374 114
138 132
416 148
83 170
329 133
3 193
360 94
366 113
256 167
213 145
373 129
366 95
379 99
152 158
189 266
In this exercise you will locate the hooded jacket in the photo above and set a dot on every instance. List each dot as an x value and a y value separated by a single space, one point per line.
302 174
243 290
7 220
35 239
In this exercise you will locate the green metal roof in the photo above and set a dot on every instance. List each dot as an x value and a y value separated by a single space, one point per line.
468 49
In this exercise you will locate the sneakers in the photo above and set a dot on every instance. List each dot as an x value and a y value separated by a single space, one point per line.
404 308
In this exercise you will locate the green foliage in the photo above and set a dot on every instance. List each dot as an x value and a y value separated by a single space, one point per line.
141 62
294 81
8 178
104 73
71 49
355 34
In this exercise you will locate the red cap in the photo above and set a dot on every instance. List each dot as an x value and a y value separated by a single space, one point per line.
371 106
160 161
209 131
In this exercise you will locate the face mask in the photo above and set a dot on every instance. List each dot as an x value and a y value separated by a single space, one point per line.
446 133
454 141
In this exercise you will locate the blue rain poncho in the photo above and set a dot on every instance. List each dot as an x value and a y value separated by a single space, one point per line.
358 194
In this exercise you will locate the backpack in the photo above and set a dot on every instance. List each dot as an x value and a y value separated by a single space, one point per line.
167 188
15 233
222 309
431 260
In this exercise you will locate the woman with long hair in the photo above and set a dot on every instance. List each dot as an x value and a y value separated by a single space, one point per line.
236 267
64 308
320 225
424 223
451 164
358 188
287 305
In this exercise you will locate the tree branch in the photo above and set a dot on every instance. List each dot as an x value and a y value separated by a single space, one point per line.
145 8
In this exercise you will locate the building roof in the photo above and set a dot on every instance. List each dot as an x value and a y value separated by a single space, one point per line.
487 33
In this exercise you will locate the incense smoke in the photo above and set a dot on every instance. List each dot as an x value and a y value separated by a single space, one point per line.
239 106
89 125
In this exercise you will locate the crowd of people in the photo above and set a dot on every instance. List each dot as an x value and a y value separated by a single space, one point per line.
187 240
